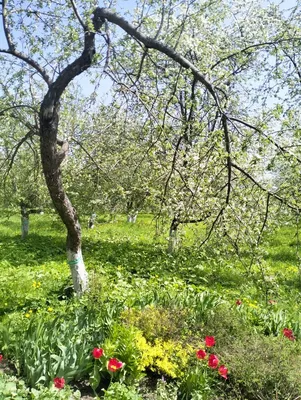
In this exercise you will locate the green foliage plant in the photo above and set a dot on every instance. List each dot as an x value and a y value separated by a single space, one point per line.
119 391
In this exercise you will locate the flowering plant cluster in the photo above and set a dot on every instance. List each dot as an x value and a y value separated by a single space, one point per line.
213 360
112 366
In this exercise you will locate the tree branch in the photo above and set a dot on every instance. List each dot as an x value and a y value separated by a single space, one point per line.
279 147
296 209
253 46
228 150
75 10
155 44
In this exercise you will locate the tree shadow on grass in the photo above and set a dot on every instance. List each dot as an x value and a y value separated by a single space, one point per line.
282 255
35 249
138 259
146 260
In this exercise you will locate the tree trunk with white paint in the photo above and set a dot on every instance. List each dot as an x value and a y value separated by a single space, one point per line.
52 157
24 220
24 226
78 271
173 239
132 217
92 221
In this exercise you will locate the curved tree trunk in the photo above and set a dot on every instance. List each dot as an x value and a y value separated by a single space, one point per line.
52 157
51 160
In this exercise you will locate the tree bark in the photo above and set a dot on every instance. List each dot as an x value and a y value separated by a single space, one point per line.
52 158
24 221
173 239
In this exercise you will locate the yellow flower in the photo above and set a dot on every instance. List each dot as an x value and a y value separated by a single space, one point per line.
30 311
50 309
27 315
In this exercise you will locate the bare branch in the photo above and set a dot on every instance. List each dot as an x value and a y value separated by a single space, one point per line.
2 112
13 51
75 10
92 159
14 153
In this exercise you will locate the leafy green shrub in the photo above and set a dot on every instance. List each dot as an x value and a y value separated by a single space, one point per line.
119 391
163 357
264 367
195 382
120 345
156 322
55 345
13 388
166 391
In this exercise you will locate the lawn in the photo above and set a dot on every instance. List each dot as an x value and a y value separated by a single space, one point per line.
150 312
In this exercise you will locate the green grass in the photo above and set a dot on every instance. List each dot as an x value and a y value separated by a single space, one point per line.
135 252
130 268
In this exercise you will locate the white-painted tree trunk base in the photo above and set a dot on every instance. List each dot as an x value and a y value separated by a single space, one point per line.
132 217
172 242
24 227
78 271
92 221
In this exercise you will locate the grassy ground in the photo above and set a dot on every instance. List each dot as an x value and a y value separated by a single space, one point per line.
168 299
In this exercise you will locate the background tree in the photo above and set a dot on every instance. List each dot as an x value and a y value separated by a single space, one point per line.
212 57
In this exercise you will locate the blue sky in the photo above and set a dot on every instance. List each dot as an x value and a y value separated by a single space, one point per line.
124 6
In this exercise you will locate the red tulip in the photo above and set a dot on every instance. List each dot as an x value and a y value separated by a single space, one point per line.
114 364
213 361
238 302
1 357
97 352
223 371
289 334
201 354
209 341
59 382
